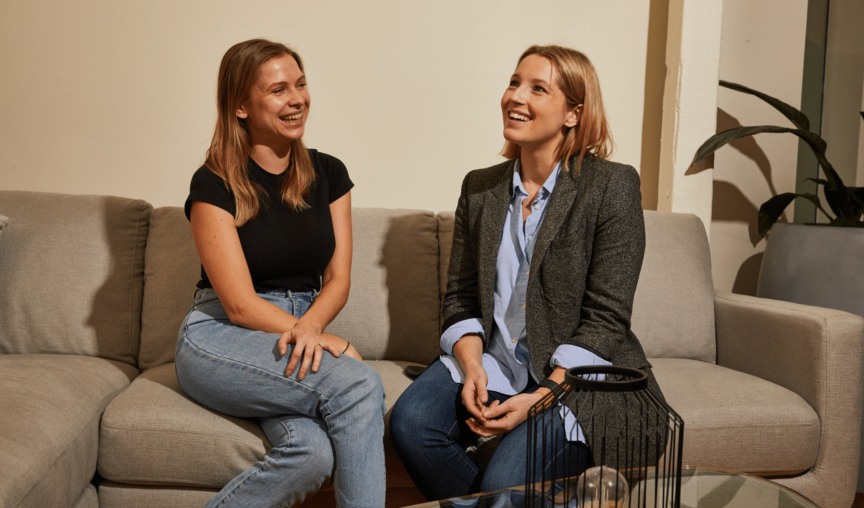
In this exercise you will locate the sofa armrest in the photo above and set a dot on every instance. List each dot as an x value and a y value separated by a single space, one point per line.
815 352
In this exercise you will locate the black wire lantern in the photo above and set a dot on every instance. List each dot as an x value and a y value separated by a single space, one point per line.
636 443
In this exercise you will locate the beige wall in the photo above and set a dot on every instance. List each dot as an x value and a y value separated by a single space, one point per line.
762 47
107 97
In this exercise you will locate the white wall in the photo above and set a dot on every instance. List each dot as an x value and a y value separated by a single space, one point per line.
762 47
104 97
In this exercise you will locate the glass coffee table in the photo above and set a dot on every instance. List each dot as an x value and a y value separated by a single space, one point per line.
701 487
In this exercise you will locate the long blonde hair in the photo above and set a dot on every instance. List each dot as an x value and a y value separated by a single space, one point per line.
580 84
232 146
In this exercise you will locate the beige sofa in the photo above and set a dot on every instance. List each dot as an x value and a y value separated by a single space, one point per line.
93 289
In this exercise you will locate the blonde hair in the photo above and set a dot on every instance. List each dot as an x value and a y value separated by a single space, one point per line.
580 84
232 146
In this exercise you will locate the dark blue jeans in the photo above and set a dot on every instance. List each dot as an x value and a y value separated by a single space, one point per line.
429 433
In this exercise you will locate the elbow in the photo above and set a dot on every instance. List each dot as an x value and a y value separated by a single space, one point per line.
237 312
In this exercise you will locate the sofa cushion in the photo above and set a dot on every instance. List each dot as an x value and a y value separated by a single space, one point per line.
394 307
89 498
51 405
72 271
171 271
153 434
739 422
392 310
673 311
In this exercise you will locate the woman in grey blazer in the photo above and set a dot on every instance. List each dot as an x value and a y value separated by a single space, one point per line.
547 249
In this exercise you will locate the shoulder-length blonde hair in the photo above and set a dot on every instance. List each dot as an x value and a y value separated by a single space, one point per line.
231 146
580 84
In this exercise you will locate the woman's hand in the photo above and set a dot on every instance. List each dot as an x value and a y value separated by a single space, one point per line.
474 394
309 345
512 413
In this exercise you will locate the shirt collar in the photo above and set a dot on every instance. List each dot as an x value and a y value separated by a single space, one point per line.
547 187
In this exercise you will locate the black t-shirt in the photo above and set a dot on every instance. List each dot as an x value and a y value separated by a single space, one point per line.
284 249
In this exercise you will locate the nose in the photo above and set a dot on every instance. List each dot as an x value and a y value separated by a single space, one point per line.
295 98
518 95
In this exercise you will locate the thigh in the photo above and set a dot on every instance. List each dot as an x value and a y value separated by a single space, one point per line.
553 455
240 372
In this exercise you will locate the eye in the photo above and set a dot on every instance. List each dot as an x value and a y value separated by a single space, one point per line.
538 88
302 85
513 83
279 90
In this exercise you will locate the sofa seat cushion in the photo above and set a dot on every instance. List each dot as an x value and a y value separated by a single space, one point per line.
154 434
49 424
736 421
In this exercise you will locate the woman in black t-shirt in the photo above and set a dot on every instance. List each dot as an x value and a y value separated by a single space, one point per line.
272 224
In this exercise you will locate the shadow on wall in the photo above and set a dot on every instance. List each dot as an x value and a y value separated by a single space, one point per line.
731 205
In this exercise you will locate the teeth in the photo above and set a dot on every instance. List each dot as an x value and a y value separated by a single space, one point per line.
292 118
521 118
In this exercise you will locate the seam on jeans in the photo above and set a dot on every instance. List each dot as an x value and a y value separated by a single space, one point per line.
287 432
257 369
452 444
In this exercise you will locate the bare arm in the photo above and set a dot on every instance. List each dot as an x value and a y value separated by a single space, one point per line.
222 256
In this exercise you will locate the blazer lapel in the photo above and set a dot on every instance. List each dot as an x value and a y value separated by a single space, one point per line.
495 206
560 204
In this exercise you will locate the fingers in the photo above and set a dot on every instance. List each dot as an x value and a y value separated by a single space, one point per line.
497 409
308 355
481 429
469 400
482 394
285 339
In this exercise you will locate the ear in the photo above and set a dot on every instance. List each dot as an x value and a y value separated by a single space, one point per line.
574 116
241 112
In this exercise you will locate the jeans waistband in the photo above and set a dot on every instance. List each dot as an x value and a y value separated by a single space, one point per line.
209 294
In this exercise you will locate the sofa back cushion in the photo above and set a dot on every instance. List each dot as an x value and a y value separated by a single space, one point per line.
392 310
673 310
71 273
171 271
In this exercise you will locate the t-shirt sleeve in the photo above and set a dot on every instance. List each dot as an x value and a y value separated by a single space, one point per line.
337 176
209 188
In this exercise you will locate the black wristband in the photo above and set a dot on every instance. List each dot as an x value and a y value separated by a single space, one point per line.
347 345
548 383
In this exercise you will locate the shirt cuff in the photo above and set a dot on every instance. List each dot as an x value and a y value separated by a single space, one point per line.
569 356
452 335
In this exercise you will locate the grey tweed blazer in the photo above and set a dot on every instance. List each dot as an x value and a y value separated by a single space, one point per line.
584 268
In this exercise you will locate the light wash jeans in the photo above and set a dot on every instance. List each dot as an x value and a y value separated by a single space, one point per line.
330 423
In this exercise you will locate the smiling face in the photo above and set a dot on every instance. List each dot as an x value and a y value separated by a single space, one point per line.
278 104
534 108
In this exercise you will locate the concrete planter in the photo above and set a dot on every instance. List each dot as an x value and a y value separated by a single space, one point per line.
816 265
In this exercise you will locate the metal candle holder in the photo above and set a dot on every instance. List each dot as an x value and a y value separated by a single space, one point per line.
632 433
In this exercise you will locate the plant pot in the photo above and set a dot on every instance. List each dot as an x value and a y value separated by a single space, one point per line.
816 265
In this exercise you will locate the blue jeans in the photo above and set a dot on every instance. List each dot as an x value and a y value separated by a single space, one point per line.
328 424
429 433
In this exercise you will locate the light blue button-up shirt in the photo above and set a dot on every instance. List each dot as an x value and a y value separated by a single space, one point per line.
506 360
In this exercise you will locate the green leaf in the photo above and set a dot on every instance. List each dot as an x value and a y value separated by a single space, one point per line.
715 142
794 115
819 181
845 222
772 209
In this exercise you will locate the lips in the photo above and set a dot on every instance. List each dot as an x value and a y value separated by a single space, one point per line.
292 118
517 117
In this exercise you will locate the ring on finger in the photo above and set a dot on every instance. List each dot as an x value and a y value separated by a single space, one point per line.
321 345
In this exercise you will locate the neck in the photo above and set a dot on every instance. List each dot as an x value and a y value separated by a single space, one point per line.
537 164
270 160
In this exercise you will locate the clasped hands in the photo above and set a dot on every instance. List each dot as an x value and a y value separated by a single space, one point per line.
498 417
309 346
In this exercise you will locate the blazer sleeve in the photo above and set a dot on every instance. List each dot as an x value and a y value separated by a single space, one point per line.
461 300
616 260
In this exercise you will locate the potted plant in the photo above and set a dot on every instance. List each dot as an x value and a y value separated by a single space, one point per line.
810 264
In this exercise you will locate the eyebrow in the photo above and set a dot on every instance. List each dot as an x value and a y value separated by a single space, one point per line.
538 81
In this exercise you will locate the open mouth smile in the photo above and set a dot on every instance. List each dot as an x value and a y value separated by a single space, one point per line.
292 118
517 117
